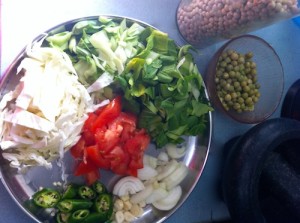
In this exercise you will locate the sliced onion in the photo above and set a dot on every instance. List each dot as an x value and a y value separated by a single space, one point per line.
167 169
163 157
146 173
142 195
157 194
176 176
175 151
170 201
150 160
128 185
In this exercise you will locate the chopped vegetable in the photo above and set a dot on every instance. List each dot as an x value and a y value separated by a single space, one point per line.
170 200
79 216
71 191
156 195
146 173
86 192
71 205
99 187
62 217
76 209
167 169
126 211
95 218
142 195
164 87
110 140
176 177
161 180
43 116
175 151
160 81
128 185
99 49
46 198
103 205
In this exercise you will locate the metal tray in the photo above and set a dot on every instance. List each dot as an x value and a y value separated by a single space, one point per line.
22 186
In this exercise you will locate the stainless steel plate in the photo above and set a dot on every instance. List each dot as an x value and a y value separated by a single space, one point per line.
22 186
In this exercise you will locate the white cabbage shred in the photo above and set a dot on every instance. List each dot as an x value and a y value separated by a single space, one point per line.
42 117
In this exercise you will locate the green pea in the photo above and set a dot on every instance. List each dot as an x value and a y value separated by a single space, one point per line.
225 75
249 101
227 97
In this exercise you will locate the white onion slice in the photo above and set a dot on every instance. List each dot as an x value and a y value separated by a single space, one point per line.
128 185
157 194
142 195
170 201
146 173
166 170
150 160
176 177
174 151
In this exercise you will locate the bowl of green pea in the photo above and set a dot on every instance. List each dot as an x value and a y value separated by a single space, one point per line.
245 79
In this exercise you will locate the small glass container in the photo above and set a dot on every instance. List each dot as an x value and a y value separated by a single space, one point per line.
206 22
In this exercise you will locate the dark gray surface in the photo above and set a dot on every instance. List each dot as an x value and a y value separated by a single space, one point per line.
23 20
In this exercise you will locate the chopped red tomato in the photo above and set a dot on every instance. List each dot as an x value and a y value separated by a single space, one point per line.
93 153
88 124
108 113
107 138
83 168
136 163
110 140
92 176
137 143
78 149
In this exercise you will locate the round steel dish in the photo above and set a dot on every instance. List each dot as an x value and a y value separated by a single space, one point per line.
22 186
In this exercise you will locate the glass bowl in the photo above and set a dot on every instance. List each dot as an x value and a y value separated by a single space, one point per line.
266 76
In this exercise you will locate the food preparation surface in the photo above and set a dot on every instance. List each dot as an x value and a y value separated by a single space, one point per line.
21 21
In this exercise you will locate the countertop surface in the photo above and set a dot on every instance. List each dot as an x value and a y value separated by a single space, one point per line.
22 21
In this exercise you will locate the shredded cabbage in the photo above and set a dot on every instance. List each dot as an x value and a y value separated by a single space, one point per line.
43 116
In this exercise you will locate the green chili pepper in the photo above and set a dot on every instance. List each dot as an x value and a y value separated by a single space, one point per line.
70 192
46 198
86 192
70 205
99 187
94 218
103 205
62 217
79 216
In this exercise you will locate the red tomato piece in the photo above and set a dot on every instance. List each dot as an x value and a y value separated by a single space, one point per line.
108 113
92 176
136 162
108 138
138 143
132 172
96 157
117 155
77 150
89 138
83 168
127 133
119 160
128 118
89 122
128 123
